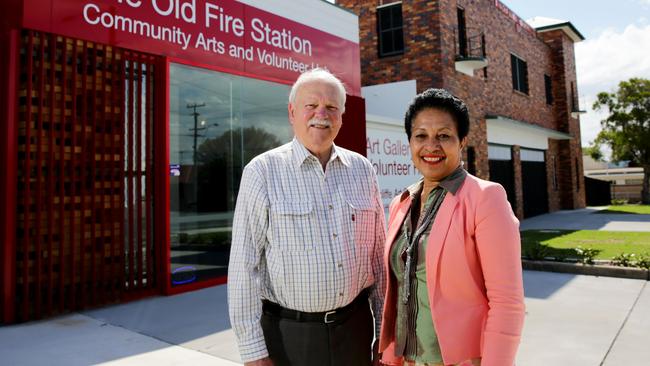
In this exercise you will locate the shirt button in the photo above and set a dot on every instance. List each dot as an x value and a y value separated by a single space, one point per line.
335 235
340 294
330 207
340 265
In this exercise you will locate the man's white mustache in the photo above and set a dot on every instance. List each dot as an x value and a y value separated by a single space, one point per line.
315 122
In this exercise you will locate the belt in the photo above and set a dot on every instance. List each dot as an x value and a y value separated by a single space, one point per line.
326 317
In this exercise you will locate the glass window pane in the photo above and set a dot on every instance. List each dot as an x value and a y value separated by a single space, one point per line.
387 42
397 16
399 40
513 65
384 18
218 123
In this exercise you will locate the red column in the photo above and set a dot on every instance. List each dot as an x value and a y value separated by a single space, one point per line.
161 184
352 135
9 161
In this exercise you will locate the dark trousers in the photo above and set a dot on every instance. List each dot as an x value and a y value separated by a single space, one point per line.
298 343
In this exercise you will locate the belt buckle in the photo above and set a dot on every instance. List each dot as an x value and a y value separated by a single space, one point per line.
327 314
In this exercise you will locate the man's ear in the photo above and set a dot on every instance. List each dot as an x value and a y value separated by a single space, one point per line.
291 110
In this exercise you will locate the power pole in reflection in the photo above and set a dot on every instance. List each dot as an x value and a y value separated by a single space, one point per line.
196 128
195 133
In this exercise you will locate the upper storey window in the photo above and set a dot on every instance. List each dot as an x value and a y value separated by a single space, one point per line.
390 29
519 74
548 86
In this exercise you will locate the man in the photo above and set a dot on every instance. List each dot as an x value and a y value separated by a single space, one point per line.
307 242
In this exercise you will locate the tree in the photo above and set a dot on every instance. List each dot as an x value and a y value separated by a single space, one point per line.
221 157
594 152
627 128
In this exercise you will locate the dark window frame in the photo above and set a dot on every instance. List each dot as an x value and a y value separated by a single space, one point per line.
548 87
554 170
575 107
471 160
390 29
462 32
519 74
577 175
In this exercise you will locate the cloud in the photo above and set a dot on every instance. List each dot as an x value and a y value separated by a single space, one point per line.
603 62
613 57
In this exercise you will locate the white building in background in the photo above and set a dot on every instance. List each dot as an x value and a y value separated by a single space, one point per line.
626 182
386 142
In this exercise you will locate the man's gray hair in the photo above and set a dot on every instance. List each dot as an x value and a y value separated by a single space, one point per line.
319 74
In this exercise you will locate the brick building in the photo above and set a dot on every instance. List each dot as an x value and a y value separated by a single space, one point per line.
518 79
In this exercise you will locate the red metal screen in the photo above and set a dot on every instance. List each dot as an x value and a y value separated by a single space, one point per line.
85 175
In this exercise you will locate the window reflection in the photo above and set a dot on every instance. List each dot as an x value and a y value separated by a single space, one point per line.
218 123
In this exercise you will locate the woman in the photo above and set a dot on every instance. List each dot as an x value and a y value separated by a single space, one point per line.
455 289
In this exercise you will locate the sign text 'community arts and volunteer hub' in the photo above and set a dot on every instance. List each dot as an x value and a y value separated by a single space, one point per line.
225 34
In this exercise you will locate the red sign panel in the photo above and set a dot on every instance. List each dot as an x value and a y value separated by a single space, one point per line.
226 34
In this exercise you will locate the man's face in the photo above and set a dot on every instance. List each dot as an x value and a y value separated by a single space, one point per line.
316 116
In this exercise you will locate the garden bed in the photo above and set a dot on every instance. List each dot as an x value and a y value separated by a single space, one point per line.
597 269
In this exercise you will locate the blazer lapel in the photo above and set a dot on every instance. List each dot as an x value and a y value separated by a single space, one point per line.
395 225
438 236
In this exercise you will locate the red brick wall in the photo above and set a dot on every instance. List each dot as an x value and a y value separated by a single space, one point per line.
552 161
421 58
429 58
569 152
519 193
494 94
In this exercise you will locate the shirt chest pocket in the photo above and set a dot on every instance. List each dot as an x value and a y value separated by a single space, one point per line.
292 225
362 219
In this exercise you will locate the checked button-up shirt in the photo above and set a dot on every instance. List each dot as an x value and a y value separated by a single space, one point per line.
304 238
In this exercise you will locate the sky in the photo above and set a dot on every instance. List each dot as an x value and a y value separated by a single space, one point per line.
616 46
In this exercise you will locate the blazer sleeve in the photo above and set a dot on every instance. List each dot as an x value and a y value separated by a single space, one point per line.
499 250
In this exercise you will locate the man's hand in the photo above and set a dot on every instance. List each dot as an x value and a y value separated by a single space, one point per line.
261 362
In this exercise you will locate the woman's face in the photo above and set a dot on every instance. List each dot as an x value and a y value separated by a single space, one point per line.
435 145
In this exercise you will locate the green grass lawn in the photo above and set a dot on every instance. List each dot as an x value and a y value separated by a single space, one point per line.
628 209
610 243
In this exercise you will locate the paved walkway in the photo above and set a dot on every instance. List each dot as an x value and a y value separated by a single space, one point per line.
571 319
588 219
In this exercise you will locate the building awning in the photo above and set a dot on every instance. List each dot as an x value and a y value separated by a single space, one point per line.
507 131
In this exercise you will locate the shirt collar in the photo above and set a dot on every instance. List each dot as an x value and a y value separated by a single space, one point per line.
300 154
450 183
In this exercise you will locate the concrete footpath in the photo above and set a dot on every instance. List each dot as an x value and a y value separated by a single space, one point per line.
587 219
571 319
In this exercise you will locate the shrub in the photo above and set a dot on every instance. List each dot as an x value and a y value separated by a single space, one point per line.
643 261
560 256
537 251
586 255
619 201
624 259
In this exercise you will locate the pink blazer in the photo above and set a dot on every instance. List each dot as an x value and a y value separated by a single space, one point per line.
474 277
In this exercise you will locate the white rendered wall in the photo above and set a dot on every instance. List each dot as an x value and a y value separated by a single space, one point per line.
317 14
389 101
386 142
510 134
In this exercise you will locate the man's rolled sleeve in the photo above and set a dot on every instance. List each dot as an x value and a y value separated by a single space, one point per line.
248 241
